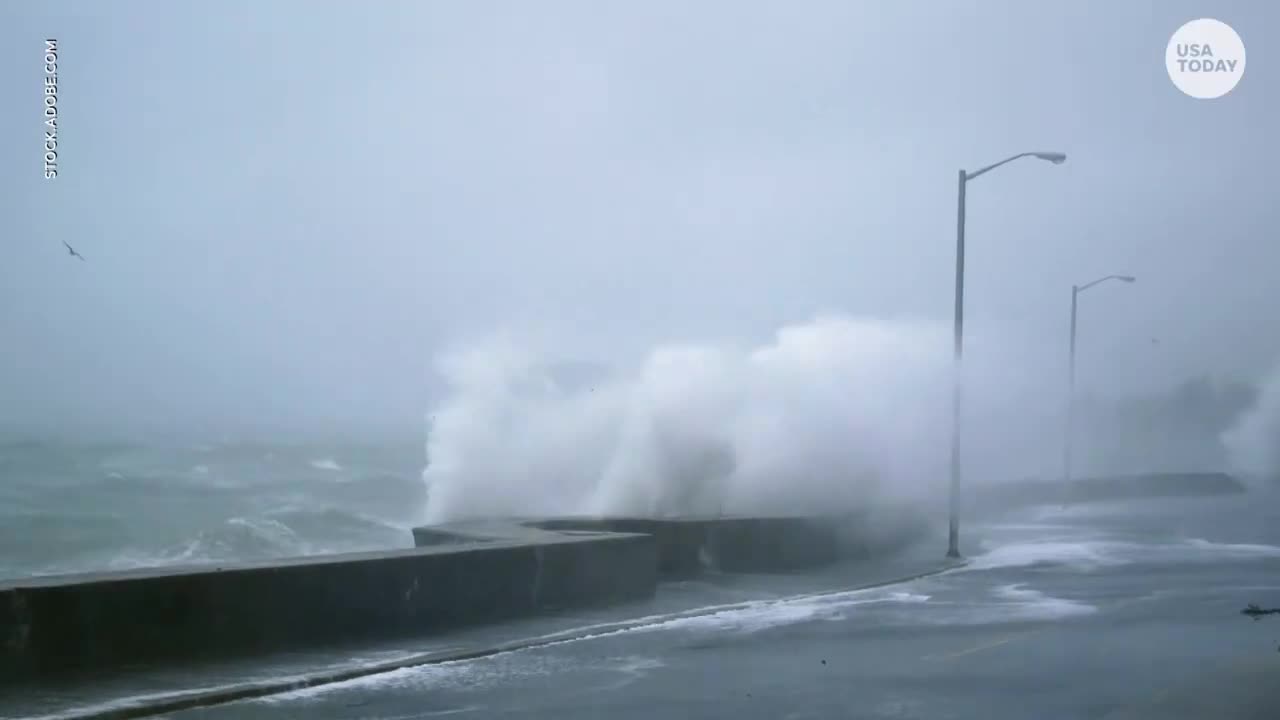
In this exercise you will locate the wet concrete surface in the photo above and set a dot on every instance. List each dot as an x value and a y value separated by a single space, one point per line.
1104 610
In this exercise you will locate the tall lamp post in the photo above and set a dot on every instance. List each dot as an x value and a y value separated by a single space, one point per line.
953 535
1071 371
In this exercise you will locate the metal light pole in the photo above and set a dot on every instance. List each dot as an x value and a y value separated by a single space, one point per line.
1071 371
953 536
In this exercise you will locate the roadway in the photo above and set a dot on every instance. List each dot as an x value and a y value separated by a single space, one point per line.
1110 610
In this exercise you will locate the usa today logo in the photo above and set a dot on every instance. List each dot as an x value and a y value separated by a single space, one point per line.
1205 58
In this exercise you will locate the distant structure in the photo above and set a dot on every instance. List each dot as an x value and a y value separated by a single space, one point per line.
72 251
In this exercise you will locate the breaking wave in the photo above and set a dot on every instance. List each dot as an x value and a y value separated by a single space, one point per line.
831 414
1253 442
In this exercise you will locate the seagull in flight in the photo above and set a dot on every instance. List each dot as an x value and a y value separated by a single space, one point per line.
72 251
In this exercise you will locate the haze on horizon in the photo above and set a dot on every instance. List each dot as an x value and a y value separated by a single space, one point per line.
290 210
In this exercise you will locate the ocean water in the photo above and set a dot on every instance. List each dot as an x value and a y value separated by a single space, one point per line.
83 507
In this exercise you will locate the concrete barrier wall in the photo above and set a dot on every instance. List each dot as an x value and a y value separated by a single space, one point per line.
679 543
110 619
688 546
460 573
774 544
1097 489
1155 485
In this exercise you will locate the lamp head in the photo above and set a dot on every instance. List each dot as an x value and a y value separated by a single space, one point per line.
1056 158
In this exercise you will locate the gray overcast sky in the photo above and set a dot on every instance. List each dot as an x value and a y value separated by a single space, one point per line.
288 208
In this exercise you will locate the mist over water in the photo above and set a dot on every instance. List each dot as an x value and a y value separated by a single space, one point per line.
829 415
1253 442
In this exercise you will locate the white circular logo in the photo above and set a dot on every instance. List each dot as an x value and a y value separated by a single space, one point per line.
1205 58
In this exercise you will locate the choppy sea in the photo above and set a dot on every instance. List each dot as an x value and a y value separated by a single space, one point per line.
82 507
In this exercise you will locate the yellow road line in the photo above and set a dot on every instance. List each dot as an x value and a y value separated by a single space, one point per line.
985 646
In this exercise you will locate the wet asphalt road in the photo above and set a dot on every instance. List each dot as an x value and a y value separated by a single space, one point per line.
1093 611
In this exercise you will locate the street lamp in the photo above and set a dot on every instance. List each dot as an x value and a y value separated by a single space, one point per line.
1071 370
953 538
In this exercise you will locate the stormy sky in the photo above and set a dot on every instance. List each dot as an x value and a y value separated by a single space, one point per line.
289 208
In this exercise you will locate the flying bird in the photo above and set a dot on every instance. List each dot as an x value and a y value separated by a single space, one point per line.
72 251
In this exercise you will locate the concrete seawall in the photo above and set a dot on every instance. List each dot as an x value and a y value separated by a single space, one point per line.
460 573
104 621
684 546
1100 489
687 546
